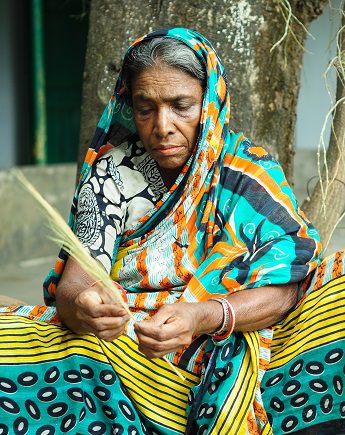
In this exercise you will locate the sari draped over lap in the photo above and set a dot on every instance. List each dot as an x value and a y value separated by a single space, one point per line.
229 223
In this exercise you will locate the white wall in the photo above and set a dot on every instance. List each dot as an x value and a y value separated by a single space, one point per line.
314 101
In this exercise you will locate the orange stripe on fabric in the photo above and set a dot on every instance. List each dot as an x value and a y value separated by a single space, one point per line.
161 298
58 266
320 275
212 112
337 268
178 253
238 141
211 61
90 157
263 364
218 129
142 269
104 149
252 426
166 283
197 46
260 411
199 291
52 289
221 88
139 301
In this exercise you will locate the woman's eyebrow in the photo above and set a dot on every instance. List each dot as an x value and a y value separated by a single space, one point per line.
173 98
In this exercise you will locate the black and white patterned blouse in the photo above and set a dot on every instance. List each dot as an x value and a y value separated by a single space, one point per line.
120 188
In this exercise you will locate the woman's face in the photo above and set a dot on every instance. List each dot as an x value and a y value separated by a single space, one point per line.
167 107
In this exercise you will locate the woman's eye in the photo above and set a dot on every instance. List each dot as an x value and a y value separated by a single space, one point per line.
182 107
143 111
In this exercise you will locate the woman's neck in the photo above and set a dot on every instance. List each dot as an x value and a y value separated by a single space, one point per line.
169 176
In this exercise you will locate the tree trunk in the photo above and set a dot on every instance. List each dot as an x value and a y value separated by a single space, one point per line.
264 85
327 202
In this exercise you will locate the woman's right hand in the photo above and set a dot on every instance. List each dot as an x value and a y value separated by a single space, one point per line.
99 313
85 307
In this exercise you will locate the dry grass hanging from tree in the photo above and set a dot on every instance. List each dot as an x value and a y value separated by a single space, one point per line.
325 207
326 204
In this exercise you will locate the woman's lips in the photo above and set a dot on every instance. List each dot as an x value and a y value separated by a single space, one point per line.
167 150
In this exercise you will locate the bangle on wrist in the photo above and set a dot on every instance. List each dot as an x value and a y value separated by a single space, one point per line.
228 323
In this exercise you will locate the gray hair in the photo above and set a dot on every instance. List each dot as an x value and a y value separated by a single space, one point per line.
168 51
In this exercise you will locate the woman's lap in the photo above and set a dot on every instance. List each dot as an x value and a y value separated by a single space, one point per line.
52 379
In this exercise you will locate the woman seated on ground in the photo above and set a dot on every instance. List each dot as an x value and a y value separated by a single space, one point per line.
203 233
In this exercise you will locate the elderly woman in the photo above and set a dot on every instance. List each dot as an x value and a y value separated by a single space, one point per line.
204 236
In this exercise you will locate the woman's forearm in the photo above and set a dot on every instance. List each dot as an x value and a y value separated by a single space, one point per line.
74 280
65 304
254 309
262 307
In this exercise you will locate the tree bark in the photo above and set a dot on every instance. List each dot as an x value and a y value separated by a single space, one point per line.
327 202
264 85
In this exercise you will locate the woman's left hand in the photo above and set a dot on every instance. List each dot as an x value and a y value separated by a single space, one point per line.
173 327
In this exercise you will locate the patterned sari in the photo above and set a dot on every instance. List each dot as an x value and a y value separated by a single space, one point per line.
229 223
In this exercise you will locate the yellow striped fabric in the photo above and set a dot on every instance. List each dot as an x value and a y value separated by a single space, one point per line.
318 320
35 341
233 415
153 386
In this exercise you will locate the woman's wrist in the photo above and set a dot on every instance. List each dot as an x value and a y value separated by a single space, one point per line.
229 319
210 317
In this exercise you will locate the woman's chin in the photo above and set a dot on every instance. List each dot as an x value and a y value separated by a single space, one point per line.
174 165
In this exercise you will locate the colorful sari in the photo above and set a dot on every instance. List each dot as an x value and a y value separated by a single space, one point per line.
229 223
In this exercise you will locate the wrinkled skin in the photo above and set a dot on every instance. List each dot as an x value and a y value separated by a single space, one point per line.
167 107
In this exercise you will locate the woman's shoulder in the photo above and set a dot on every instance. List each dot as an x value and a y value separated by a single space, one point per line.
246 162
242 146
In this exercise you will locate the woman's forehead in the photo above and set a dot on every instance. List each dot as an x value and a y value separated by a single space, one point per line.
164 81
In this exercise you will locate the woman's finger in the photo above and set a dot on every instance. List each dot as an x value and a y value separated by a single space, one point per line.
162 332
158 350
155 337
107 334
103 323
101 310
111 335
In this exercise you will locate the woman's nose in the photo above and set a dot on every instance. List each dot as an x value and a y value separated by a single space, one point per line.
164 122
